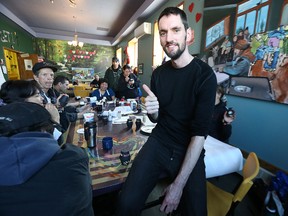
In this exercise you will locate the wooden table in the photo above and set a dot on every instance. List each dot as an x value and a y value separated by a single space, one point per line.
107 172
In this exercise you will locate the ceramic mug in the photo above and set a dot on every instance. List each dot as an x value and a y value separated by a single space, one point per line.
107 143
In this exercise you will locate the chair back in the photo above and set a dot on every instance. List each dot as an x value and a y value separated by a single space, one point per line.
250 171
80 91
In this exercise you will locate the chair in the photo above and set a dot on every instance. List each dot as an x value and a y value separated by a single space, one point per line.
220 202
81 91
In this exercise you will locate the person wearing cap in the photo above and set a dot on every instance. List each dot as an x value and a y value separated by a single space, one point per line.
244 57
103 91
29 91
44 75
38 177
112 74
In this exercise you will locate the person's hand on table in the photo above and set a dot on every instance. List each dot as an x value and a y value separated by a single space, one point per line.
151 101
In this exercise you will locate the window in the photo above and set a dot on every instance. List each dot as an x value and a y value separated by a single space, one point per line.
217 31
284 18
133 52
119 55
252 14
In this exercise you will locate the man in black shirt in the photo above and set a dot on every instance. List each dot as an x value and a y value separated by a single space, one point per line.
181 101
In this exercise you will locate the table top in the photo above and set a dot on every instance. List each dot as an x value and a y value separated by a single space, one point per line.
107 172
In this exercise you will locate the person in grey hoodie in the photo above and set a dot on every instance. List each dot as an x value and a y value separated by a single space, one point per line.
39 177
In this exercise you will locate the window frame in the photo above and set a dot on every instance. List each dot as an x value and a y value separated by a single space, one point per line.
256 9
226 31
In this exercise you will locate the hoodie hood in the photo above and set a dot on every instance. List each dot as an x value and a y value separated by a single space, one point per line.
23 154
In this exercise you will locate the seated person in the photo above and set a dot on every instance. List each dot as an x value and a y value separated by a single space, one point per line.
128 84
243 58
60 87
95 82
103 91
29 91
38 177
221 127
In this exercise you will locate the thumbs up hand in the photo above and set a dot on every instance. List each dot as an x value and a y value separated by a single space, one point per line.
151 101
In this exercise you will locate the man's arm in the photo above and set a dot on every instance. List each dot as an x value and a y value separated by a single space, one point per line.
174 190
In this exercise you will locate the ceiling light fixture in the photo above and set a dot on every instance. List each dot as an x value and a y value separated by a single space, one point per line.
51 1
75 42
72 3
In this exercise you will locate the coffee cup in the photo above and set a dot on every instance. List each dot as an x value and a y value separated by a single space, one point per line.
125 157
89 117
107 143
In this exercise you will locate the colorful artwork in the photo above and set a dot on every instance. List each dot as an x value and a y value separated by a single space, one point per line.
271 60
82 73
258 65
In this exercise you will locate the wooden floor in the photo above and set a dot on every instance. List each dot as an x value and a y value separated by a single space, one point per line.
250 206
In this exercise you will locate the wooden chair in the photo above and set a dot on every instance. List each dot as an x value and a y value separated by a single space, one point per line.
81 91
220 202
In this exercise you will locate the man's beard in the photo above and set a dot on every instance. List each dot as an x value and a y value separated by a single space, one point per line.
174 55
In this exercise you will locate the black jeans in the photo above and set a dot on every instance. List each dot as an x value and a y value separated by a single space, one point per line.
154 159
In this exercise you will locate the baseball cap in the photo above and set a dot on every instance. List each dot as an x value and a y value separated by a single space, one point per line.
41 65
19 115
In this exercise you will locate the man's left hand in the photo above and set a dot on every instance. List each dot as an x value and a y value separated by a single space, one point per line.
172 198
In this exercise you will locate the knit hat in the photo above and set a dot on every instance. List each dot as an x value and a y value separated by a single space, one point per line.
19 115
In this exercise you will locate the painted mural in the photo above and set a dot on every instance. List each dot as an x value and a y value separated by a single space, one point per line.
86 61
263 58
271 60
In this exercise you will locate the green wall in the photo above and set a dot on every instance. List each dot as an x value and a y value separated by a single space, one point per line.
20 39
57 51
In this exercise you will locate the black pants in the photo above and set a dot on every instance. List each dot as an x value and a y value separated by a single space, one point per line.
154 159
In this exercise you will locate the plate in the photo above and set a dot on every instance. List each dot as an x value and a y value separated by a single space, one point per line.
242 89
80 131
147 129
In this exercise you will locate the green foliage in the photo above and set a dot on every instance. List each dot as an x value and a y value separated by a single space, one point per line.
66 56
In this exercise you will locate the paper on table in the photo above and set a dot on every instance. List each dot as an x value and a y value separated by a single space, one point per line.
125 110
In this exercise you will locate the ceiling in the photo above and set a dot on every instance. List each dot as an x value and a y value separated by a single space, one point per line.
95 21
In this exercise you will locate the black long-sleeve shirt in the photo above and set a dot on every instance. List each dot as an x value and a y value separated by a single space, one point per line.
218 129
186 98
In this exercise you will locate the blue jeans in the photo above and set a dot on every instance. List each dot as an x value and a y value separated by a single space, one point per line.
154 159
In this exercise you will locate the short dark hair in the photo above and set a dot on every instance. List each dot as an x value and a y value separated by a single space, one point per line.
102 80
126 67
60 79
18 90
175 11
115 59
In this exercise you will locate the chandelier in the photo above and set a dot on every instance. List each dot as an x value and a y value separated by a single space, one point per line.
72 3
75 41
